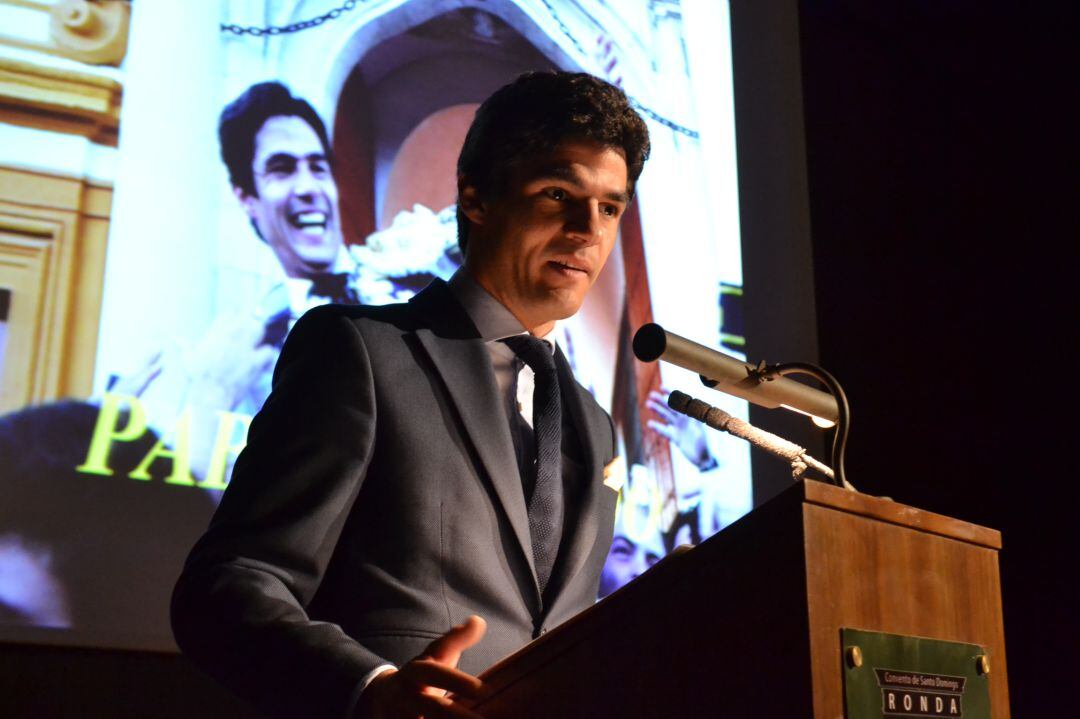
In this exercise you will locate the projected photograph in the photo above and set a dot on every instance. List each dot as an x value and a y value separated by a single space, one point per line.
270 157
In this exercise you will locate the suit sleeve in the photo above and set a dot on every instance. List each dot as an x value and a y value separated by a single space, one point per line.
238 609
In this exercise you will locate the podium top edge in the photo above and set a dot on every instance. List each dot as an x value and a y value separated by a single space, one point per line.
886 510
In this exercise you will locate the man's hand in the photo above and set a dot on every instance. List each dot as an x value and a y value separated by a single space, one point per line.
685 433
420 688
134 384
227 362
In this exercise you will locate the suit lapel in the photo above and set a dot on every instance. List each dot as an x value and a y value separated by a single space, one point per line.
462 360
583 515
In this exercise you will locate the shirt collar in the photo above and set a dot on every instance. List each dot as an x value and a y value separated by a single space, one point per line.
491 317
298 289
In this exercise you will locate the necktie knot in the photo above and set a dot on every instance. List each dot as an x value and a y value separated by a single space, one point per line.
534 352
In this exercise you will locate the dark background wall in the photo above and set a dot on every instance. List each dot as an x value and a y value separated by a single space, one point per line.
943 214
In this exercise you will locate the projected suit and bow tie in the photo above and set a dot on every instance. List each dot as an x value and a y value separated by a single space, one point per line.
277 153
296 297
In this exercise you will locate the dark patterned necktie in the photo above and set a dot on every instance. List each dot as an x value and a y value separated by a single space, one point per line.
545 500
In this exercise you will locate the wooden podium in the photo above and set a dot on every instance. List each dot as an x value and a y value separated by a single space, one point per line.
748 623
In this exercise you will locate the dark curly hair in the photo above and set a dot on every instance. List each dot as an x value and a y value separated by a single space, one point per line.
242 119
533 115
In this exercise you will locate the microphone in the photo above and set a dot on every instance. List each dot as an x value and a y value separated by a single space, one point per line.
731 375
719 419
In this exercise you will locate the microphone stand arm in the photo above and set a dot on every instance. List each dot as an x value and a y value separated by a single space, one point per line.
766 373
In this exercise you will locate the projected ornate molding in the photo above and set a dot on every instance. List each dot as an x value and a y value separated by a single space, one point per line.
53 232
64 101
90 31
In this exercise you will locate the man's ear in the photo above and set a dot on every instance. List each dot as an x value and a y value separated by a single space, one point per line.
470 203
247 201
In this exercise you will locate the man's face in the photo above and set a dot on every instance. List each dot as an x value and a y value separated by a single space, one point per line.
539 245
295 206
626 561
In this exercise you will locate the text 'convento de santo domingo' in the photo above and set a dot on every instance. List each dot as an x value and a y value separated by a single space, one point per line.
913 694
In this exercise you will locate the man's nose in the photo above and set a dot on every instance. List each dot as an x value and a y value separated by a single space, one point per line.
584 221
638 565
304 181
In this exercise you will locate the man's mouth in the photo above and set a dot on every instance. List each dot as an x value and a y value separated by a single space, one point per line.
569 267
311 222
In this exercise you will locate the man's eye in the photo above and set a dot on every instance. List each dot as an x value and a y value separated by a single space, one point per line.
319 169
556 194
611 210
279 170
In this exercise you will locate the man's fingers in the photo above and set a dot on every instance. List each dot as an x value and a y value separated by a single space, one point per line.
399 693
448 648
658 405
428 672
657 397
664 430
135 383
434 707
420 687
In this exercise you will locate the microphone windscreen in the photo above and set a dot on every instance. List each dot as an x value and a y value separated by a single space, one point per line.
679 401
650 342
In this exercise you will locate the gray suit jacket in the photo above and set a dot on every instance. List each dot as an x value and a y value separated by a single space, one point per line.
377 503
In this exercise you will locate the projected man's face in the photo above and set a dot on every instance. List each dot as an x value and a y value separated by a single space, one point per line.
540 245
295 205
626 561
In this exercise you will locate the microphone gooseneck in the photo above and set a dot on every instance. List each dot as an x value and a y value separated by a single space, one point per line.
725 422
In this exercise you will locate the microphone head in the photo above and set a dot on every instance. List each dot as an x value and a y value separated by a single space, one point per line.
650 342
679 401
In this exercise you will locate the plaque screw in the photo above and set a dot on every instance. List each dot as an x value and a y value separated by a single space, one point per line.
854 657
983 664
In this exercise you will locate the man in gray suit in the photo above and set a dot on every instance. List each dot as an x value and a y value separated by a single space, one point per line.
418 465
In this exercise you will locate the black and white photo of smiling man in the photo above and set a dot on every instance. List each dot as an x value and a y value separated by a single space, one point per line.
278 156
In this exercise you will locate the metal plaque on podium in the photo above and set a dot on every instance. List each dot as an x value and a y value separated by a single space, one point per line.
890 675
